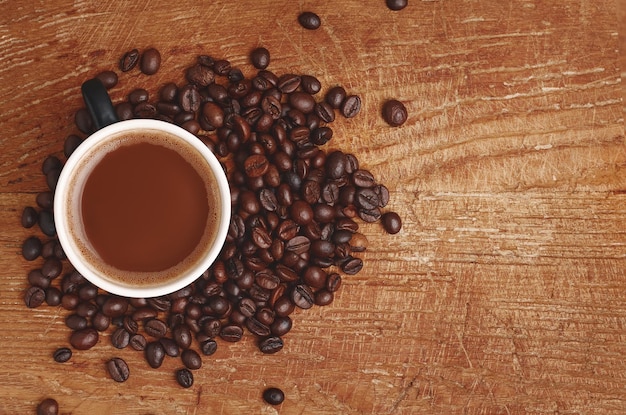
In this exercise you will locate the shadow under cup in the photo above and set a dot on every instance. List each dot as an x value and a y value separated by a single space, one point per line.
142 208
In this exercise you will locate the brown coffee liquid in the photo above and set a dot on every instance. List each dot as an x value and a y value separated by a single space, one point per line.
145 208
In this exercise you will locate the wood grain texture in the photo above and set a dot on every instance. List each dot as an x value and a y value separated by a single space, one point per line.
505 291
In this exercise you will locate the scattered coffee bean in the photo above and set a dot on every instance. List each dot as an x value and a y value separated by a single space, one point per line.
191 359
273 396
29 217
184 377
48 406
396 4
129 60
391 222
260 58
150 61
309 20
84 339
108 79
62 354
118 369
394 113
34 297
155 354
351 106
31 248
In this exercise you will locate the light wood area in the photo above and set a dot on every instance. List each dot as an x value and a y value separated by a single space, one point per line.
505 291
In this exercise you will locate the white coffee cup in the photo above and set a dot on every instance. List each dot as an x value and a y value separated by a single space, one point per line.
69 225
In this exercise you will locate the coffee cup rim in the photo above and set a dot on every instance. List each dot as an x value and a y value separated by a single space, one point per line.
61 209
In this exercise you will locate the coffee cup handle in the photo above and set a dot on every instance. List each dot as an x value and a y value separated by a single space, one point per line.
98 103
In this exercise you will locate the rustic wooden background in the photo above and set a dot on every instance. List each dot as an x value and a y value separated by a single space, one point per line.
505 292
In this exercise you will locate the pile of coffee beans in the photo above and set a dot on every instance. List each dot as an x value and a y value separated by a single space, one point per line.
294 229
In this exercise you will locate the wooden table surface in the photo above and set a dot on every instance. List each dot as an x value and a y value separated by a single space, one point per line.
505 291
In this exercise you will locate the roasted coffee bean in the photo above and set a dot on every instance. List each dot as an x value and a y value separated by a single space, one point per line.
256 165
189 99
301 212
309 20
115 306
48 406
155 354
351 106
268 200
288 83
52 268
144 110
137 342
137 96
310 84
323 297
46 223
37 279
83 121
29 217
184 377
370 215
366 198
281 325
118 369
271 345
53 296
208 346
144 313
62 354
315 277
200 75
100 322
273 396
120 338
150 61
302 101
31 248
391 222
129 60
108 79
352 266
45 200
86 309
124 111
52 178
396 4
260 58
394 112
335 96
257 328
335 164
84 339
182 336
34 297
212 116
363 178
231 333
155 328
358 242
191 359
76 322
302 296
221 67
169 346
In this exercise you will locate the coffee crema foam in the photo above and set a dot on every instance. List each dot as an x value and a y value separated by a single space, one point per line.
76 227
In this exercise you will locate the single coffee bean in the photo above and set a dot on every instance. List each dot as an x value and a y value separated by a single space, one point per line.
363 178
129 60
281 325
34 297
391 222
260 58
323 297
351 106
302 296
310 84
76 322
169 346
352 266
118 369
108 79
184 377
46 223
29 217
335 96
31 248
336 164
62 354
182 336
37 279
48 406
115 306
222 67
309 20
396 4
137 342
70 144
271 345
100 322
84 339
302 101
394 113
288 83
53 296
45 199
191 359
120 338
273 396
155 354
208 346
200 75
150 61
52 268
155 328
231 333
